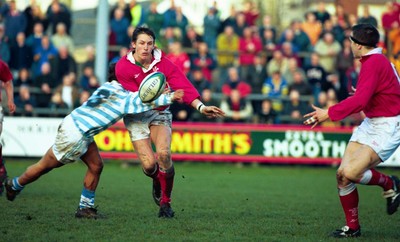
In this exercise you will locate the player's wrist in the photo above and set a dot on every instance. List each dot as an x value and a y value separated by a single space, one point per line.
200 107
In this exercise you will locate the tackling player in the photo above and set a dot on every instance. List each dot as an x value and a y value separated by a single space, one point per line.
378 136
154 126
6 78
74 140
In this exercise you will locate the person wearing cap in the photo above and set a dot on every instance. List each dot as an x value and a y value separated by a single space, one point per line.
377 94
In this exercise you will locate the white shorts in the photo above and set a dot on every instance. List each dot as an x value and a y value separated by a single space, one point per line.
381 134
138 125
70 144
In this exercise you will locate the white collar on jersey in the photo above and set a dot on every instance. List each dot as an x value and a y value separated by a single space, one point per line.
375 51
157 58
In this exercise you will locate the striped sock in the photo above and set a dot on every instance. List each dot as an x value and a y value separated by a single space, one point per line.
15 184
87 199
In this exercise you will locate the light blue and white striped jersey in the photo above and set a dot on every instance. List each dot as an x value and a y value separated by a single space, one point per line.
108 104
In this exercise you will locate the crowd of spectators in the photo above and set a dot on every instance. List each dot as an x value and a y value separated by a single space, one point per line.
256 71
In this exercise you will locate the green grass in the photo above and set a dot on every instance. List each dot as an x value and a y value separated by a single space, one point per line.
212 202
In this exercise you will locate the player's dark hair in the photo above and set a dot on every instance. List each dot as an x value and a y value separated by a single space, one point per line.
365 34
142 30
111 72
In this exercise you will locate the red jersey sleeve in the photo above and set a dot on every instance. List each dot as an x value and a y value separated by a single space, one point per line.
5 73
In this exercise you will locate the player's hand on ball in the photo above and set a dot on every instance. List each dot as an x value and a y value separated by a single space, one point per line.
178 95
212 112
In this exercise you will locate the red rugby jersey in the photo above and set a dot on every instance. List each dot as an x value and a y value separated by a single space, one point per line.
5 73
378 90
131 75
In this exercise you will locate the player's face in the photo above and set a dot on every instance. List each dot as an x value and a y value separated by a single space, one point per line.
355 48
144 46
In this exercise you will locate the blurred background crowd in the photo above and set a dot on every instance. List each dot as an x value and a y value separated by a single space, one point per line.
257 71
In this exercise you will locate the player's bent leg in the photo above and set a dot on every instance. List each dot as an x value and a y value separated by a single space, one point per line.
149 165
95 164
45 164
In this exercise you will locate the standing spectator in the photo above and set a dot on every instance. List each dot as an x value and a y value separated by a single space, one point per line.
5 54
344 62
204 61
69 91
312 27
227 47
61 38
44 53
237 108
251 13
35 39
211 24
62 64
25 102
240 24
6 79
137 13
23 78
34 14
342 17
234 82
21 54
90 56
178 57
267 25
45 82
300 40
119 25
268 41
328 49
289 51
250 46
366 17
181 21
192 39
257 74
170 15
316 76
321 14
230 20
390 19
14 20
122 4
153 18
59 13
335 29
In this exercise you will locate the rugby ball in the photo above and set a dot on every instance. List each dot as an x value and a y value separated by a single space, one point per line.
152 87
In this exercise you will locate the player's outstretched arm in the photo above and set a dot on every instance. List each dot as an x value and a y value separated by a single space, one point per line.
208 111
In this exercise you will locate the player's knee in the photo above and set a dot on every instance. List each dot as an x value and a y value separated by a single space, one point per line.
96 167
164 156
350 174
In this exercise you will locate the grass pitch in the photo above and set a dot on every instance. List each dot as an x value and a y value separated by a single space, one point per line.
212 202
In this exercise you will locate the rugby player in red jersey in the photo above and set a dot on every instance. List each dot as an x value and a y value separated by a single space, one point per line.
155 126
378 95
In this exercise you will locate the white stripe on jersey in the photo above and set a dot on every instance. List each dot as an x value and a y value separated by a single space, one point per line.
108 104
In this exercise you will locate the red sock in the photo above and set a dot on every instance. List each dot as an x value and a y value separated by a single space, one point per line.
381 180
350 207
166 179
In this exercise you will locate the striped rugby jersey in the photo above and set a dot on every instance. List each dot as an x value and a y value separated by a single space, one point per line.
108 104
